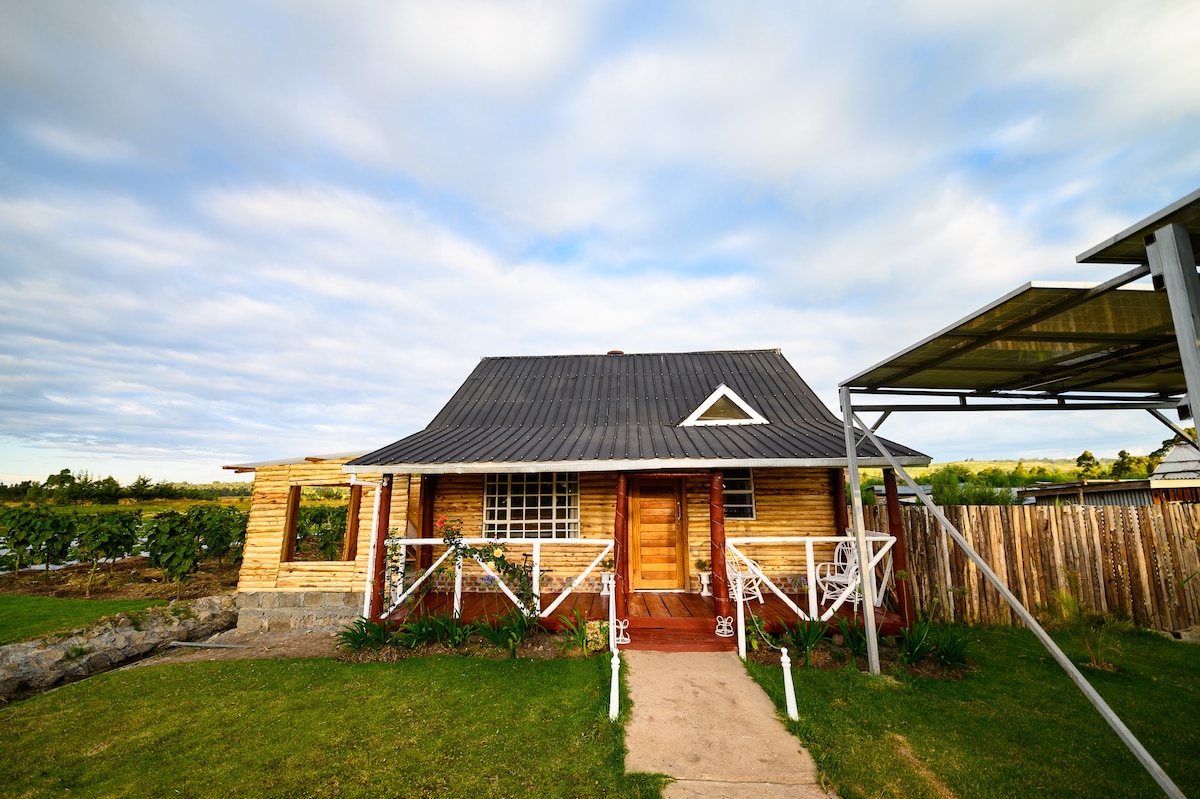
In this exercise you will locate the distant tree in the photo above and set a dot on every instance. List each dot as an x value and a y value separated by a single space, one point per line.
140 489
1127 466
1087 465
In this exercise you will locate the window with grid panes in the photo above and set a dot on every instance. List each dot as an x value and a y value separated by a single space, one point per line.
739 494
531 505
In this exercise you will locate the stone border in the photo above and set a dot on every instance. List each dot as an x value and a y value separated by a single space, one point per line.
266 611
28 667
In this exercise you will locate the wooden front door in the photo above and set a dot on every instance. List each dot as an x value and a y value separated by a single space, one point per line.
657 535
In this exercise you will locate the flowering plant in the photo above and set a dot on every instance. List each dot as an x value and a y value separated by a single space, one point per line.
518 576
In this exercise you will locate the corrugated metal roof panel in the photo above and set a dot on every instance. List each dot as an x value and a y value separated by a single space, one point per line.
623 408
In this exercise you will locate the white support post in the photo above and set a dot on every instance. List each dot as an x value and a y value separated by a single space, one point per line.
537 577
458 572
789 689
860 536
371 557
614 691
1172 259
814 609
738 596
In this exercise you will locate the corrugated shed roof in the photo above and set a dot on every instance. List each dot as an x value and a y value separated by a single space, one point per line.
611 412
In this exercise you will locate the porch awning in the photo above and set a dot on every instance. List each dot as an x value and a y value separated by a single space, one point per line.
1045 340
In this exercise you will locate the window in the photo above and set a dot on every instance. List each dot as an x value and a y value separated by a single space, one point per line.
531 505
723 407
321 523
739 494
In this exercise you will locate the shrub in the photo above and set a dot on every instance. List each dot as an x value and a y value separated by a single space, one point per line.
805 636
916 643
950 646
363 634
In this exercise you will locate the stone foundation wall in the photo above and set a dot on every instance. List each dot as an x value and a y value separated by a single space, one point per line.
288 610
31 666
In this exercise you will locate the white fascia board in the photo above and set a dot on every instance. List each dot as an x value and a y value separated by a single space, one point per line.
624 466
299 459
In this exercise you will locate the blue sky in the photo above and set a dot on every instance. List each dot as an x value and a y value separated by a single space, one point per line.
233 232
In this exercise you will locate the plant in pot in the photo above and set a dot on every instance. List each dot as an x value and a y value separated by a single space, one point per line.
704 572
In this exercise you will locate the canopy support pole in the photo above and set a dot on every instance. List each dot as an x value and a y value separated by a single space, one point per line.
860 535
1173 263
1106 712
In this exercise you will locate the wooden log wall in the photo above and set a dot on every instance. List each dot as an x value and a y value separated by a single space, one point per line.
788 502
262 569
1129 561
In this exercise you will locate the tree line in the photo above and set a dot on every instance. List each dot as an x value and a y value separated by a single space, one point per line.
957 484
81 488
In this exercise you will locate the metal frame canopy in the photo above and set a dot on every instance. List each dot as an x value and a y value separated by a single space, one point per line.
1048 347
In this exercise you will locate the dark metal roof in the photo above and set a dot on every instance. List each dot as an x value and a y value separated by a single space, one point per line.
1048 339
618 412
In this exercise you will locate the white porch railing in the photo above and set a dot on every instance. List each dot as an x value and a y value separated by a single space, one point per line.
617 634
878 544
395 568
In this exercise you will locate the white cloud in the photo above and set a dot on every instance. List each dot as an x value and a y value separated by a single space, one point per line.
234 233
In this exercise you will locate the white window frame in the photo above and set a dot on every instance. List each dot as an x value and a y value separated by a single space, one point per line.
748 493
508 504
723 392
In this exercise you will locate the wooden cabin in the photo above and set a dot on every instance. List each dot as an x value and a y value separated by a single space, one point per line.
650 466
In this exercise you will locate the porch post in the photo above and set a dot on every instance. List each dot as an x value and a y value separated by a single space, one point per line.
381 529
899 554
716 530
428 489
620 548
841 515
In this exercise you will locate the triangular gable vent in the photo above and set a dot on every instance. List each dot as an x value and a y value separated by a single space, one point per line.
724 406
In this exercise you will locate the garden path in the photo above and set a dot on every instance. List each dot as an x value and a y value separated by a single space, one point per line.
699 718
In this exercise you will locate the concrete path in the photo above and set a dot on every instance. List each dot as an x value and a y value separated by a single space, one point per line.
698 717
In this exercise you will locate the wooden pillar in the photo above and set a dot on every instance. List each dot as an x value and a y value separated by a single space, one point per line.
621 548
380 533
428 489
716 534
841 513
899 553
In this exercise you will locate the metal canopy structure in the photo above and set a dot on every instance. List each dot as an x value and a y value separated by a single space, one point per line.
1048 347
1053 342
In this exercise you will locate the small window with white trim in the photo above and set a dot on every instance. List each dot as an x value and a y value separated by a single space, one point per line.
542 505
723 407
739 494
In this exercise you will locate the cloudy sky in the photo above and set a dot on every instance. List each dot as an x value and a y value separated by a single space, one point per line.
240 231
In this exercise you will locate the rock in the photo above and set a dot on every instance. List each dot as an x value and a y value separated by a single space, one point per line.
31 666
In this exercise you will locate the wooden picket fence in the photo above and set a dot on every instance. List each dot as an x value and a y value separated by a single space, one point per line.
1130 561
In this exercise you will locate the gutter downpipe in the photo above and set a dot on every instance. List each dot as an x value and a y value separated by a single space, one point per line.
860 535
1127 737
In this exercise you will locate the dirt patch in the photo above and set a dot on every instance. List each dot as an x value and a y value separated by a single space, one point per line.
248 644
131 578
905 751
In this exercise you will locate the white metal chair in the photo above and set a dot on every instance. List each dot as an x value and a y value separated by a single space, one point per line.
834 577
751 582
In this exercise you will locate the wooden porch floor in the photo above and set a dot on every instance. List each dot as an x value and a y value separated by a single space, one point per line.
663 621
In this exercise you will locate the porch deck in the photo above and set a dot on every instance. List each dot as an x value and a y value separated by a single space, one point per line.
658 621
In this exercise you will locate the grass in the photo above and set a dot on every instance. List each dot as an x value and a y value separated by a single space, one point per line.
24 617
443 726
1017 727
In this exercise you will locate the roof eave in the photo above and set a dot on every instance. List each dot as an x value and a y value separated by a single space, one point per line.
500 467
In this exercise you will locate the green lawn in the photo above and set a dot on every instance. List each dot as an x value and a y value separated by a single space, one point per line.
1017 727
23 617
442 726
